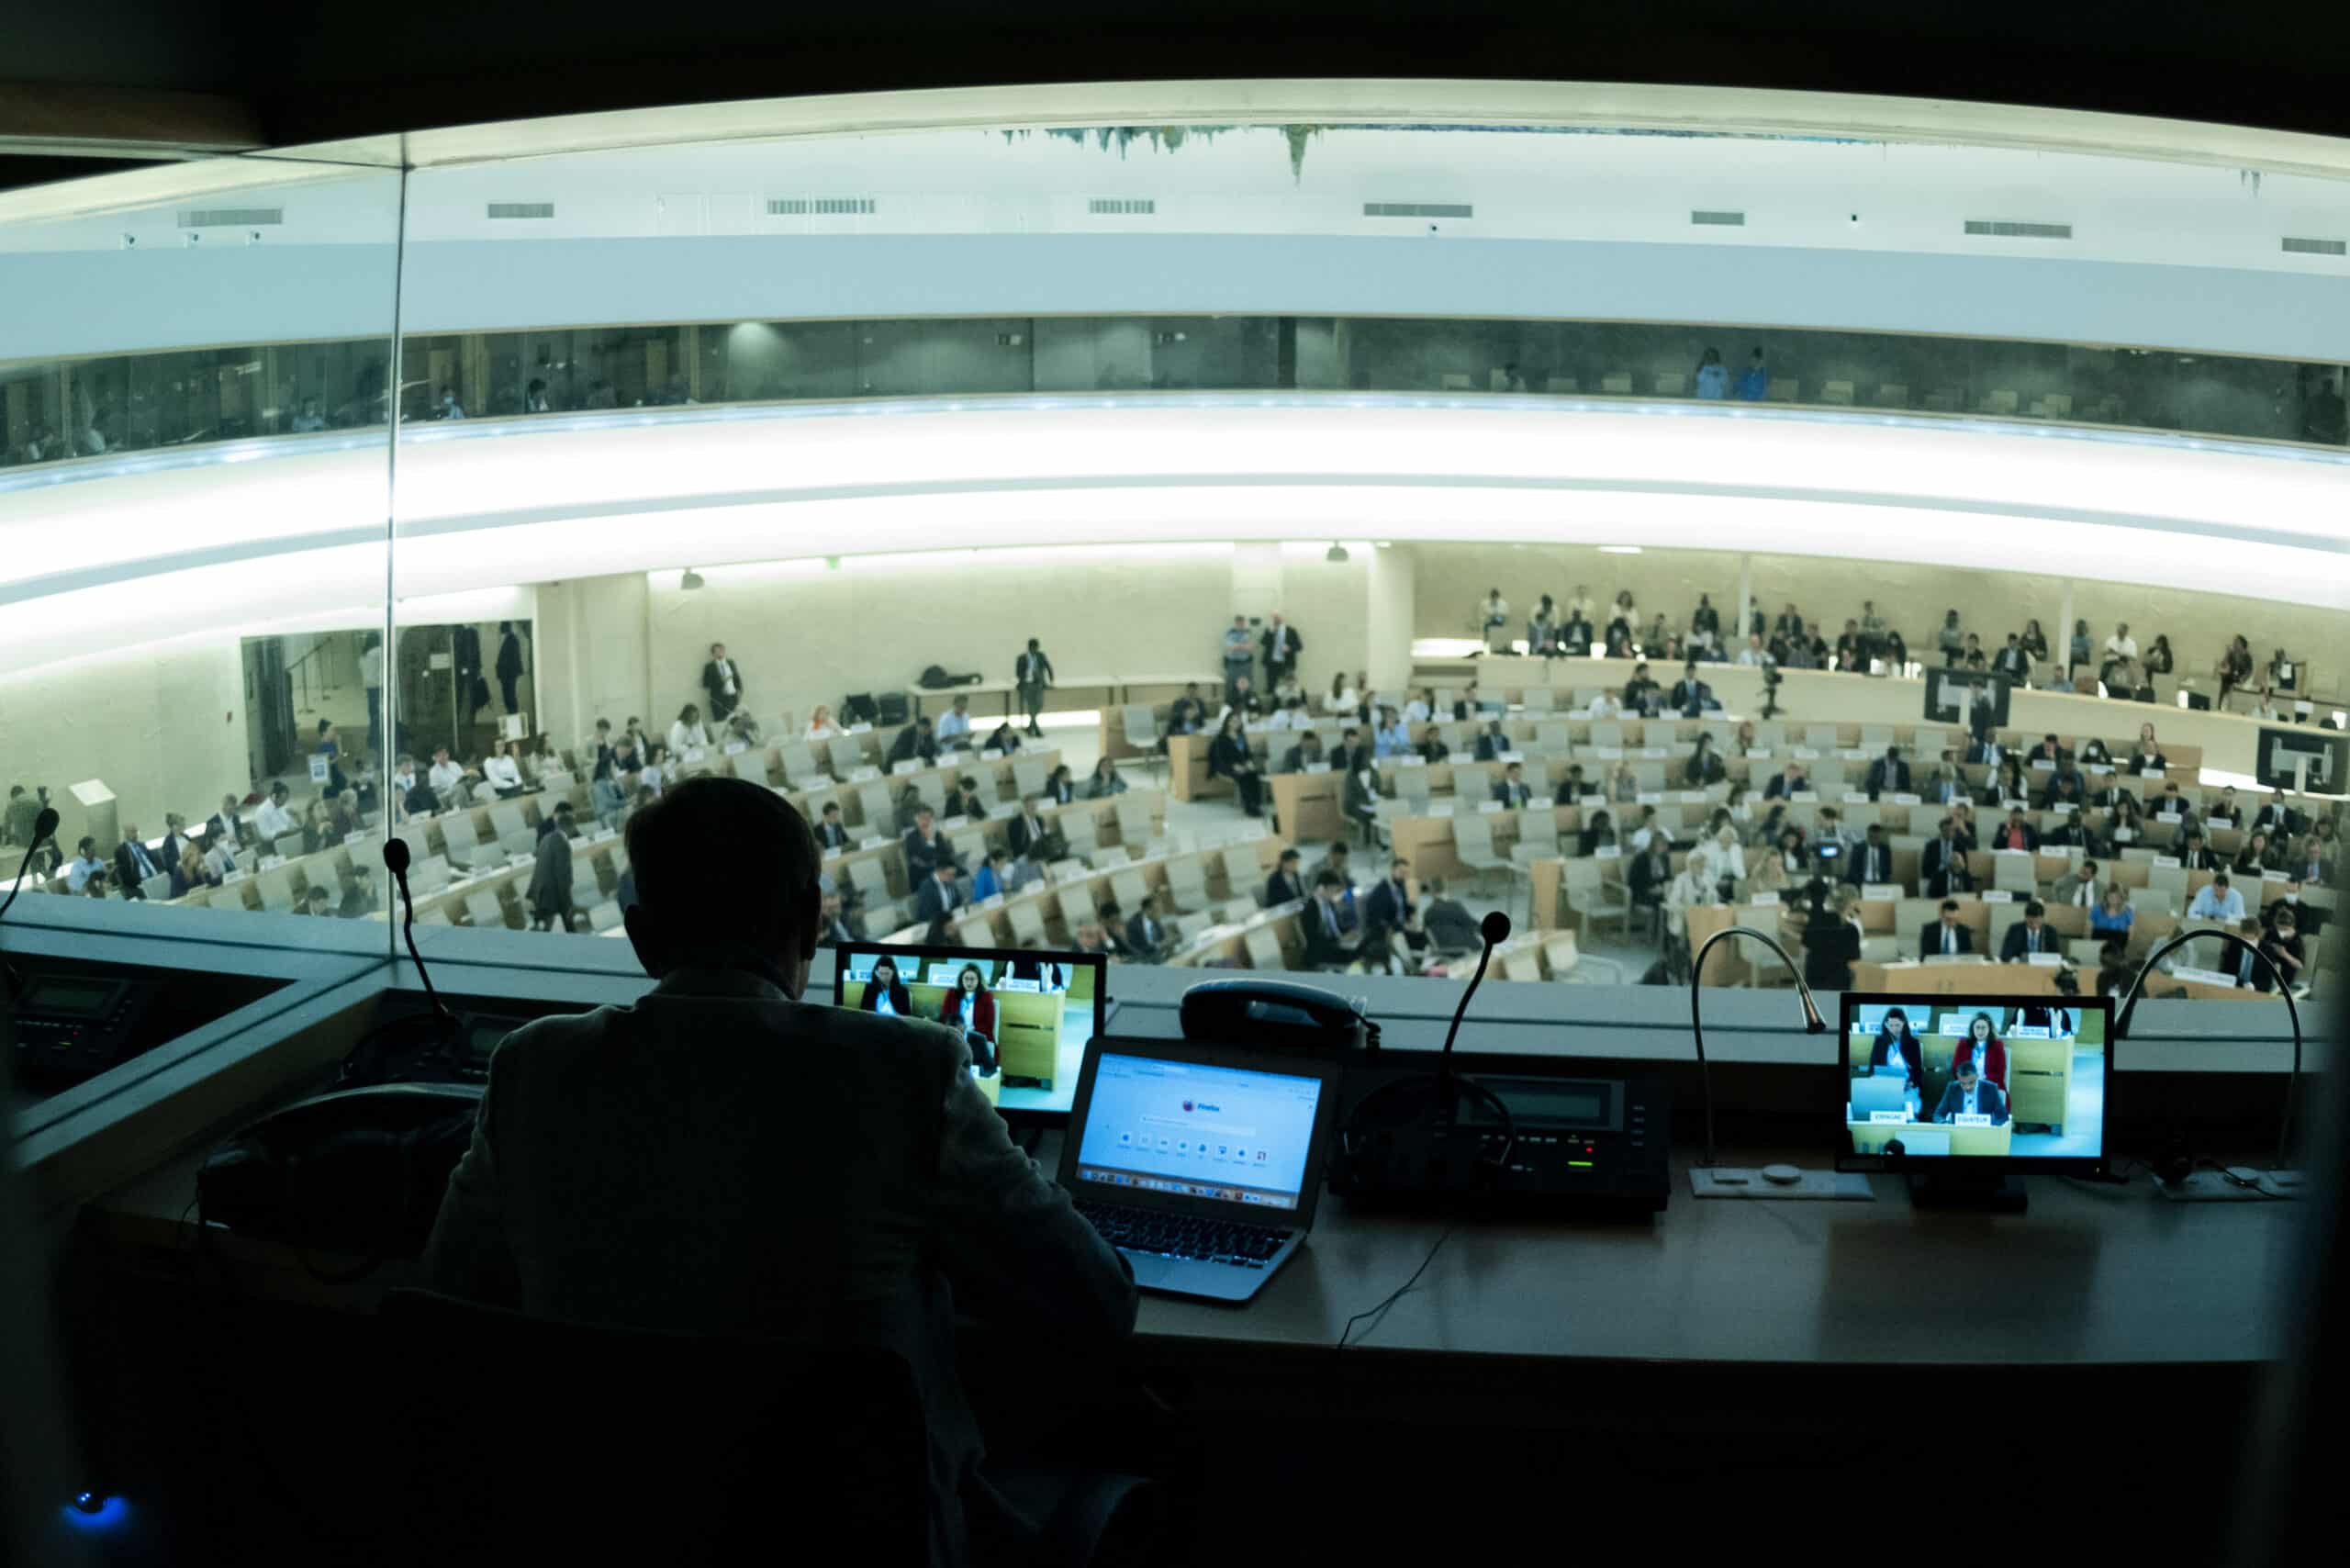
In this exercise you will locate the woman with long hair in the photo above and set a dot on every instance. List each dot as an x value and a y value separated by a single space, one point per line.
687 734
820 724
884 993
1898 1046
1982 1047
969 1006
1103 782
1598 832
1229 757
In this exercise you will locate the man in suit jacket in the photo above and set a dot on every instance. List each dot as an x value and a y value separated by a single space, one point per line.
549 893
1942 861
2192 854
1032 672
1946 935
1280 645
1391 900
1970 1094
1511 788
916 740
1303 755
1787 783
574 1203
1028 829
832 834
1146 936
1187 712
925 846
2051 751
1690 694
1492 742
1287 884
1888 775
134 862
2029 935
724 680
1985 753
2275 818
1871 861
509 667
938 899
1326 945
2012 661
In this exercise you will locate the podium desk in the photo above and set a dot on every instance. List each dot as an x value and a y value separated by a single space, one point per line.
1310 805
1187 768
1869 1138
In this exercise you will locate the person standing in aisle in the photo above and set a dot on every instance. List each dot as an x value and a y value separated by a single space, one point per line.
724 680
509 665
371 674
1282 646
1032 672
1240 655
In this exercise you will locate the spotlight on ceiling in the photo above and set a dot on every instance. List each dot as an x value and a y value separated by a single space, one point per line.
1337 554
692 579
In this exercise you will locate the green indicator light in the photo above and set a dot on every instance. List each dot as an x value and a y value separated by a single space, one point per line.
1579 1162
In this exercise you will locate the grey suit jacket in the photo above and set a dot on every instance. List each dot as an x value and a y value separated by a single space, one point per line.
665 1166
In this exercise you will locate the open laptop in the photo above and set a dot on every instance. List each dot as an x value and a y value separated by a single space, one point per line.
1201 1163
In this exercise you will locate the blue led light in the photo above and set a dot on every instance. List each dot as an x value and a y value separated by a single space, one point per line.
110 1513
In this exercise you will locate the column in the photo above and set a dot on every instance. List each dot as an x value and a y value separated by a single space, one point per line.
2062 649
1391 606
1734 638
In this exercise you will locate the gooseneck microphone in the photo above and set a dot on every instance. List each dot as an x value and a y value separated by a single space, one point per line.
1443 1087
2138 982
396 861
1813 1023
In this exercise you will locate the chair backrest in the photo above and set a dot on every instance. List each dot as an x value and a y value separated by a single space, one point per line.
1551 735
604 916
799 763
1472 835
880 815
1142 724
1560 953
485 910
977 932
1240 872
1027 917
502 1426
1522 965
1076 903
506 817
869 876
2153 900
1133 818
1412 785
1606 731
971 844
457 832
2017 873
1540 700
1538 825
1235 910
1264 948
1028 774
1472 782
846 752
1128 888
158 885
1188 879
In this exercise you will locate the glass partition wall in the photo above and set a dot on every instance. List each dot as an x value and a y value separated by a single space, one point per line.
234 674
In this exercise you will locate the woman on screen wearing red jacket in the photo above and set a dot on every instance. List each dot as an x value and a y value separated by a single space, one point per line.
1983 1036
970 1006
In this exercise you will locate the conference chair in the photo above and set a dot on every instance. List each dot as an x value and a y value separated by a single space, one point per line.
1143 734
977 932
2151 900
157 886
463 843
484 911
1538 836
604 917
586 889
1472 784
1551 737
514 835
2086 951
1412 790
1066 870
1028 775
1128 888
1588 897
1188 927
1472 845
1242 870
846 754
1606 731
871 879
1026 914
1771 734
1820 737
1079 827
1538 700
970 845
1522 965
429 875
1560 955
1076 903
880 816
1874 738
1133 820
800 765
684 1449
2017 873
290 846
1187 884
2003 915
2172 881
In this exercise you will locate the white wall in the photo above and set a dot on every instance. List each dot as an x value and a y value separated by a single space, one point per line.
593 642
163 727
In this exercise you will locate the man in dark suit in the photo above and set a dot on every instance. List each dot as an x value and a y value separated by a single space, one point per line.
1690 694
1145 935
1787 784
1641 694
2192 854
1028 829
574 1202
2277 819
830 833
1187 712
1303 755
1984 752
1280 645
1969 1095
2029 935
835 927
1391 900
2015 833
1032 672
509 667
549 893
1511 788
1287 884
925 848
916 740
2012 661
724 680
938 899
2051 751
134 862
229 825
1492 742
1871 862
1943 862
1326 944
1888 775
1947 935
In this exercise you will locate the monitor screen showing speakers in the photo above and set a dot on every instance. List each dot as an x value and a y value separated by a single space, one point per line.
2309 759
1967 699
1025 1014
2011 1083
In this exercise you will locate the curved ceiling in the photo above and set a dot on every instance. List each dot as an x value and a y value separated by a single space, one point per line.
484 506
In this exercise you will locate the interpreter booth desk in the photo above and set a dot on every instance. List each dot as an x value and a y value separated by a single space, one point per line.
2092 1274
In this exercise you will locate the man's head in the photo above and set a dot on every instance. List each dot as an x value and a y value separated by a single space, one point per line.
2122 630
1893 753
1028 804
2034 912
943 873
1640 670
1327 886
1514 770
1339 852
2015 816
564 818
317 901
962 704
1877 833
1399 868
1689 669
1969 1075
754 907
1289 862
1240 623
1190 687
2085 871
2219 881
1309 742
87 849
1950 911
278 792
2285 921
921 725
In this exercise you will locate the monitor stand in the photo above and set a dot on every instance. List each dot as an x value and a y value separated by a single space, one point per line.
1996 1193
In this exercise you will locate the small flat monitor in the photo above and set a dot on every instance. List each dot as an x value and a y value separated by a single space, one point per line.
1969 700
1027 1015
1995 1084
2308 759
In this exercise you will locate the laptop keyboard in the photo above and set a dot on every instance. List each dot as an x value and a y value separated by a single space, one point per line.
1184 1235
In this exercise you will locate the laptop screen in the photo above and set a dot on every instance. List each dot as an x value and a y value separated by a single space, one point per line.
1239 1135
1025 1014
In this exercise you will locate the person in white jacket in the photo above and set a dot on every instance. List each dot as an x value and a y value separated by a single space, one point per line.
1720 856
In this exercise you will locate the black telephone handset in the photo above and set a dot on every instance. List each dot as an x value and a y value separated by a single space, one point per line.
1280 1015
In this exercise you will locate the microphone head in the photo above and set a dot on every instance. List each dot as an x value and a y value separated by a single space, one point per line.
45 824
1495 928
395 856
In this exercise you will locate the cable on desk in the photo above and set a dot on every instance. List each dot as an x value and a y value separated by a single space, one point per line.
1398 1291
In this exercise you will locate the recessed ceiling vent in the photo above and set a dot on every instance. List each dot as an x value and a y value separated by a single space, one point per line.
1418 209
819 206
1122 207
2002 228
522 209
2317 247
1725 219
232 218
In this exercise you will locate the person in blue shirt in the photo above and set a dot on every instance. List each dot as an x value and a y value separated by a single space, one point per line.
954 727
1756 382
1394 737
995 877
1713 376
